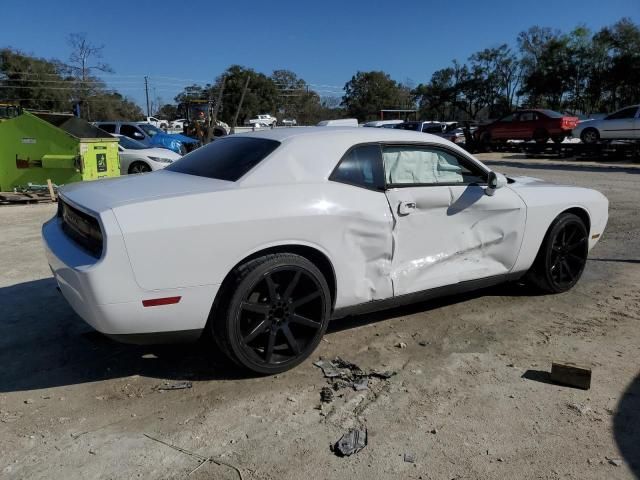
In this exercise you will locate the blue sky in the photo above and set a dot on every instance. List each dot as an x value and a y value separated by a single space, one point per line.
325 42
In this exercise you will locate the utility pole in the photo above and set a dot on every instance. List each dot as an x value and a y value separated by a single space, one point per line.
244 91
146 91
214 115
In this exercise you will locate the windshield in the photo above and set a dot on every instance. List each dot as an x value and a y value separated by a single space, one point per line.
130 144
149 129
228 158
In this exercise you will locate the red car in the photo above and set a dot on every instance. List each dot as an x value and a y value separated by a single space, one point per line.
538 125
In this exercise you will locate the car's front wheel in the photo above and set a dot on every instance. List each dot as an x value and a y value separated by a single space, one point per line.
139 167
562 256
276 310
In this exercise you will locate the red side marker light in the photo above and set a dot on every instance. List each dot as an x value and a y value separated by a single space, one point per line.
156 302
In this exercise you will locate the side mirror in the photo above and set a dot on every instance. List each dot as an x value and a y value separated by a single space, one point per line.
138 135
494 182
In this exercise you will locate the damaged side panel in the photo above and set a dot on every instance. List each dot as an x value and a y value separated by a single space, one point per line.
453 234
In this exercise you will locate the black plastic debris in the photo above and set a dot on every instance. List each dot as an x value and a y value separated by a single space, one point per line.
175 386
351 442
384 375
326 395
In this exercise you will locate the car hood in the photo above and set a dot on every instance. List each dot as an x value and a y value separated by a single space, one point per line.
101 195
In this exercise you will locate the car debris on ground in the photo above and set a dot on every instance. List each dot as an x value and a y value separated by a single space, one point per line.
351 442
341 374
174 386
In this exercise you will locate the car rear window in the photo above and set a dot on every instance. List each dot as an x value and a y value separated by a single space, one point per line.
552 114
225 159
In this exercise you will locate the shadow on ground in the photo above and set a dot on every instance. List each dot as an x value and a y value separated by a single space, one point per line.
43 343
626 426
562 166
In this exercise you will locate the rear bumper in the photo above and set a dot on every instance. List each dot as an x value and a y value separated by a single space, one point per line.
104 292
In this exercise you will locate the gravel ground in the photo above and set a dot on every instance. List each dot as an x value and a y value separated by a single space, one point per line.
470 398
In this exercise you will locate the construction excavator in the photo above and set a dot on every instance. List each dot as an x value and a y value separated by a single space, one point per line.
199 119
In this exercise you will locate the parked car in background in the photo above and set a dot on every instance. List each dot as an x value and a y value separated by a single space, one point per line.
263 120
156 122
339 122
136 157
383 123
150 136
262 238
177 124
289 122
421 126
621 125
535 124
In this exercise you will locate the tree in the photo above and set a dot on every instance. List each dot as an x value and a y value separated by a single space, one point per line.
84 60
369 92
113 106
168 112
261 96
33 82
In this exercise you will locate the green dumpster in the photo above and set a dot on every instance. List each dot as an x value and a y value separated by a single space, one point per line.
35 147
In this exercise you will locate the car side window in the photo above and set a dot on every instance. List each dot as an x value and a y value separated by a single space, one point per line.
528 117
509 118
362 167
130 131
624 113
427 165
108 127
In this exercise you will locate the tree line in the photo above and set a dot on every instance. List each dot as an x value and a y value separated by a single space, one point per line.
580 71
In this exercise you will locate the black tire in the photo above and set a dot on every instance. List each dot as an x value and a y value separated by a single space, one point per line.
139 167
541 136
590 136
562 256
274 311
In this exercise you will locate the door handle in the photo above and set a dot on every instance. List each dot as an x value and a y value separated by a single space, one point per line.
405 208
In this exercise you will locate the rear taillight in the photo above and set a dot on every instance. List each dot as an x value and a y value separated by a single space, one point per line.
82 228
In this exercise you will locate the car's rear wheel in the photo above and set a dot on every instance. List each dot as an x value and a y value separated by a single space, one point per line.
139 167
562 256
590 136
275 314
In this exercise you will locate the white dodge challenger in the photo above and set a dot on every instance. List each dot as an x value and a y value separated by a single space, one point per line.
265 237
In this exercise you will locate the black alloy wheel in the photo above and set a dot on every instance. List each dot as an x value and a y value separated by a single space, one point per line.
139 167
563 255
277 315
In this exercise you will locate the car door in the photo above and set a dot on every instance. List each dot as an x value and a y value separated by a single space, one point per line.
504 128
525 126
447 229
621 124
135 133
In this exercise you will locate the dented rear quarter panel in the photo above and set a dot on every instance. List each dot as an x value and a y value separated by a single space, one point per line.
202 237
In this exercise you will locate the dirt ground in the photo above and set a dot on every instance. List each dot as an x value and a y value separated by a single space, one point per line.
470 400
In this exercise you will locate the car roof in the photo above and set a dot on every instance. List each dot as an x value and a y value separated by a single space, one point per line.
356 134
